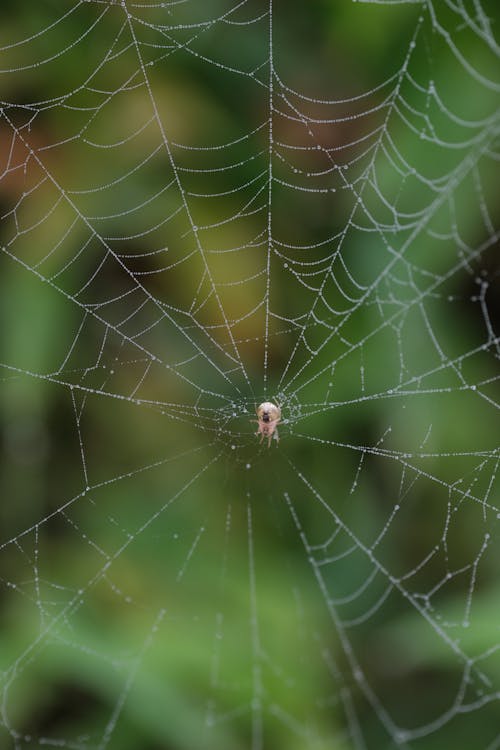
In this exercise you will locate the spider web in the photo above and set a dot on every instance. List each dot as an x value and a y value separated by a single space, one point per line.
203 209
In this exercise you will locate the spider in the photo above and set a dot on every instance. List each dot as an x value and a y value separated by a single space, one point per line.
268 419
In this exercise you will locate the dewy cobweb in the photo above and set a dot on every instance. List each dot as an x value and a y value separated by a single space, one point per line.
208 205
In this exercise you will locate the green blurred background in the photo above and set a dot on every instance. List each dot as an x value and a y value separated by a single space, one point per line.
166 582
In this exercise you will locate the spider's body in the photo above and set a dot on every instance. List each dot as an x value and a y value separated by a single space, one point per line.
268 419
